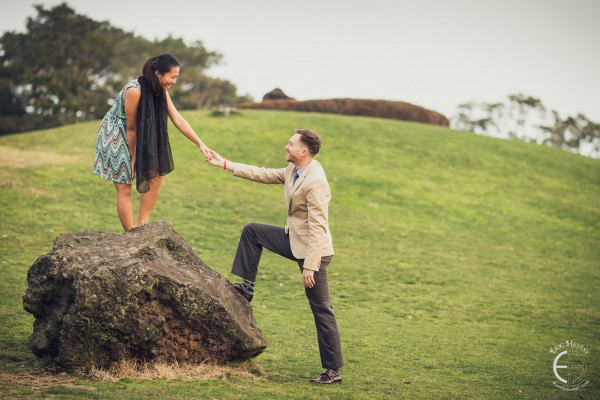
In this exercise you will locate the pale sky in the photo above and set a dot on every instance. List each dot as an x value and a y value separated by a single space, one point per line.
433 53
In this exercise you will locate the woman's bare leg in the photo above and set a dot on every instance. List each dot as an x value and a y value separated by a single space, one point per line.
124 208
148 199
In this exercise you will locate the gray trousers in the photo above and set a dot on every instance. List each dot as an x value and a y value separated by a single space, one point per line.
254 237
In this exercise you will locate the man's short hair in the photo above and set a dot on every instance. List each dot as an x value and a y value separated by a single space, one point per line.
311 140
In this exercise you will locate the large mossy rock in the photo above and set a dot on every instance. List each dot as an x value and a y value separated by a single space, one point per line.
101 297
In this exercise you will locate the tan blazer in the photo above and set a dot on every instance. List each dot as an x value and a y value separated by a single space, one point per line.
307 203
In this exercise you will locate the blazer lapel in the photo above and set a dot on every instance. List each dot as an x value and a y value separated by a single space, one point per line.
295 186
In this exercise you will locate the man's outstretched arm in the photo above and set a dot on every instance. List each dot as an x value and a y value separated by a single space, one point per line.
257 174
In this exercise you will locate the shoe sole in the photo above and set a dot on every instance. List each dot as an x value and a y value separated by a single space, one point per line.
323 383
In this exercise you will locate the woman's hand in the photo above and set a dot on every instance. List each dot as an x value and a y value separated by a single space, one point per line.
208 153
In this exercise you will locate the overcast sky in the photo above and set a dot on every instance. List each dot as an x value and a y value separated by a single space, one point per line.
433 53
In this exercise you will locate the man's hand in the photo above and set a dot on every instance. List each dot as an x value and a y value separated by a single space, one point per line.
215 159
308 277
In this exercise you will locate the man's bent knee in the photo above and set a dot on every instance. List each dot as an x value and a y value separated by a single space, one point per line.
250 229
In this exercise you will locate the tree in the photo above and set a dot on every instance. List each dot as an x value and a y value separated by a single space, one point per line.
207 92
67 67
573 133
525 118
49 66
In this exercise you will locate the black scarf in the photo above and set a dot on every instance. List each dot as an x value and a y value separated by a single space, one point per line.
153 151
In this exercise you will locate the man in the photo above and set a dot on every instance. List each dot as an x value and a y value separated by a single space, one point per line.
306 239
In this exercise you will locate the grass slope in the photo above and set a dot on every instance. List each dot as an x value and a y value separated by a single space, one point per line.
460 259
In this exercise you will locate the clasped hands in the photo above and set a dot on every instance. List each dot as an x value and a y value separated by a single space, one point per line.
212 157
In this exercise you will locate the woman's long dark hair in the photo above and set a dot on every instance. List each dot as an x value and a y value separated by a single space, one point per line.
162 64
153 156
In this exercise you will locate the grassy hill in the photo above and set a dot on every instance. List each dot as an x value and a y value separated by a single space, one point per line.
460 259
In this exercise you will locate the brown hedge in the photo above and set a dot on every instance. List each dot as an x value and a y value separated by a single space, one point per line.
370 108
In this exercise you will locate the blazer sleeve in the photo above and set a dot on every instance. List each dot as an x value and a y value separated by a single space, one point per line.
259 174
318 208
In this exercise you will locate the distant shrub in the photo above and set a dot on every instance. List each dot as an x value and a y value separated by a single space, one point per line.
276 94
20 123
369 108
221 113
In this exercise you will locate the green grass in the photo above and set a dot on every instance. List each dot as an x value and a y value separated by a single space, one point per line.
460 259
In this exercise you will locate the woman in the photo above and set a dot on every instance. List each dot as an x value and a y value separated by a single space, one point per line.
133 136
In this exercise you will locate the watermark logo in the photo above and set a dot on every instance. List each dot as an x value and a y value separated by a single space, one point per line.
570 366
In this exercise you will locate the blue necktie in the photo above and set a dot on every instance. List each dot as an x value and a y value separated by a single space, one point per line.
296 176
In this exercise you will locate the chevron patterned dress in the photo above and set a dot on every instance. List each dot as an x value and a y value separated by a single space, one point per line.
113 160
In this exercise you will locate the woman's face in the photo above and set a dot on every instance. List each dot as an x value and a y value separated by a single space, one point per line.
169 78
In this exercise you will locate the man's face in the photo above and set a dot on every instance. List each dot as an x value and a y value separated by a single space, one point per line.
295 149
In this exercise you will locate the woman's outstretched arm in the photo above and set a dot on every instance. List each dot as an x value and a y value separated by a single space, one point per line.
184 127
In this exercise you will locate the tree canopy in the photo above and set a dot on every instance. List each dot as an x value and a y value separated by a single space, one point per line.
67 67
526 118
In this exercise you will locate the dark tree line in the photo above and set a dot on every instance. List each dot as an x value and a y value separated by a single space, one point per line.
67 67
525 118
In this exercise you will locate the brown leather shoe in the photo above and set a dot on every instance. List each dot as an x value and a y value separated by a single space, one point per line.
327 377
242 290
